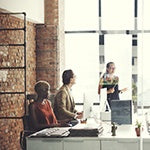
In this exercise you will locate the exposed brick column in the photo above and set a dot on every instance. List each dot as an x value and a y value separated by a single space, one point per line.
47 55
48 49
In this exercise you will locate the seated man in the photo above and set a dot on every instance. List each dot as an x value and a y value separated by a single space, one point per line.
41 112
64 105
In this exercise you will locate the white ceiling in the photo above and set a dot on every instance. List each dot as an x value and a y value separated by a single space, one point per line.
33 8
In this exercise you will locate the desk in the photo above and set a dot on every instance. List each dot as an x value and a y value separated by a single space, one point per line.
125 139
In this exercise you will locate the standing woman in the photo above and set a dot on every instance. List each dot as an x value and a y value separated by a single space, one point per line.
110 81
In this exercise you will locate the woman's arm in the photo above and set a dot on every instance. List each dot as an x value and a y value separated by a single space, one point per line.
112 90
123 90
100 85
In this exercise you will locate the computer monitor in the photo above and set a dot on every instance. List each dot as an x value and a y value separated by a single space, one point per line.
121 111
87 107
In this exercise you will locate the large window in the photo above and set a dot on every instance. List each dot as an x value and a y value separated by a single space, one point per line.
82 56
81 15
117 14
121 54
143 70
82 48
99 31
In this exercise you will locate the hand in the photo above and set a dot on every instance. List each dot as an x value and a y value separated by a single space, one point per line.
55 125
79 115
64 121
112 90
123 90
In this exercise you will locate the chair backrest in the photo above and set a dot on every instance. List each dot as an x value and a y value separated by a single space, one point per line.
27 123
26 118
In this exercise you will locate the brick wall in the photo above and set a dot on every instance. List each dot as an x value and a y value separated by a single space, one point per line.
47 55
47 50
10 134
12 105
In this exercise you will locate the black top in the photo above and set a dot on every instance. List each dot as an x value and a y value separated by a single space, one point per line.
115 95
112 96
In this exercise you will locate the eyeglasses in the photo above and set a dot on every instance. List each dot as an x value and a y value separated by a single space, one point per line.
113 68
74 76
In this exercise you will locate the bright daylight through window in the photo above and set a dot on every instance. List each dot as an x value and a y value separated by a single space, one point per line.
115 31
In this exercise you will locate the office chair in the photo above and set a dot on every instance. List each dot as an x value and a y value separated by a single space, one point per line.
28 129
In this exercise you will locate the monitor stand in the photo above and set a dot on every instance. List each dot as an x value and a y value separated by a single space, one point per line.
104 115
